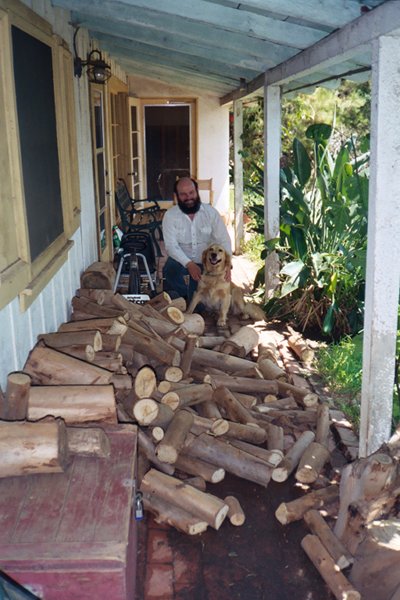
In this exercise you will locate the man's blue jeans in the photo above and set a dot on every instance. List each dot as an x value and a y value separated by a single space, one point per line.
178 280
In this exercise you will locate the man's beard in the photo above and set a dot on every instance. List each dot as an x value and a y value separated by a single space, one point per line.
189 210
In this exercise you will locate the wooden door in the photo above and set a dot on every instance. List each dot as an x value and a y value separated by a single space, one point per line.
136 150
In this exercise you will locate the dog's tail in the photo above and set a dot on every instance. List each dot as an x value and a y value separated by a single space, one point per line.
254 311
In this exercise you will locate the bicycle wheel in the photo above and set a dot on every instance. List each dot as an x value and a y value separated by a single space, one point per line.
134 277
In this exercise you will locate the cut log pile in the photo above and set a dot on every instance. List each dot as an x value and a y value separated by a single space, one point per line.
206 402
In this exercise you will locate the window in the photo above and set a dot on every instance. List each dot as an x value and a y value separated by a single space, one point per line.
39 196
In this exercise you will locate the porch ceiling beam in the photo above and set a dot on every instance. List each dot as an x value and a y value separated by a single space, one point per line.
224 18
161 42
339 46
178 60
323 12
150 23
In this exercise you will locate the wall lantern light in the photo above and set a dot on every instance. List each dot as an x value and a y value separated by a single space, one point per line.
97 69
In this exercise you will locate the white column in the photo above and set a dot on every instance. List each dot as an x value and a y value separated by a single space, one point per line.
272 152
238 174
383 254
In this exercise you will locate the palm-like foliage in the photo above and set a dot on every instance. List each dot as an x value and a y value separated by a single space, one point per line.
322 242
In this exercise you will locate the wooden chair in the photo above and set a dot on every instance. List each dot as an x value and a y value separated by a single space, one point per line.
206 185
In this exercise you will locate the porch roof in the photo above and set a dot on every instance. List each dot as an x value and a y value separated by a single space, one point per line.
222 46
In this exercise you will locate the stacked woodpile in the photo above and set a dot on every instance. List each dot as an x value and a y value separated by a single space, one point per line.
206 403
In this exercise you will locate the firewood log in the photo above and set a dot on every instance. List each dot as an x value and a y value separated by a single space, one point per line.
233 408
50 367
197 482
274 436
112 361
272 458
149 412
171 374
173 515
245 384
209 410
300 347
88 441
235 513
148 448
33 447
322 433
145 382
302 395
85 352
154 348
188 396
210 341
247 433
204 358
271 401
15 405
60 339
311 463
90 308
246 339
160 300
98 275
175 435
111 343
292 458
173 314
248 400
111 326
201 468
193 323
287 512
233 460
206 506
325 565
319 527
73 403
157 433
270 369
187 354
179 303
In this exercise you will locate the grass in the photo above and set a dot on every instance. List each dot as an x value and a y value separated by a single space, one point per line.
340 366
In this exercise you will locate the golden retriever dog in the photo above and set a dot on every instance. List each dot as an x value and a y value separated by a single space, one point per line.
216 293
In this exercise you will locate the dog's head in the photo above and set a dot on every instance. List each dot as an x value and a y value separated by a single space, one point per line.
215 259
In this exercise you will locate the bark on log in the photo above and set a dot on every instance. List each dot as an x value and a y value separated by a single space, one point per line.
209 410
288 512
33 448
204 358
92 309
271 401
271 458
246 433
300 348
148 448
209 508
319 527
193 323
112 361
150 412
86 353
175 434
88 441
73 403
323 422
58 340
173 314
274 437
188 396
99 275
201 468
175 516
157 433
247 400
210 341
110 326
197 482
339 585
233 460
270 369
292 458
312 462
301 395
246 338
50 367
235 513
160 300
171 374
111 343
154 348
233 408
187 354
15 405
245 384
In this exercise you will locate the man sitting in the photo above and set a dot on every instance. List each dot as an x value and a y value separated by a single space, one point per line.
188 229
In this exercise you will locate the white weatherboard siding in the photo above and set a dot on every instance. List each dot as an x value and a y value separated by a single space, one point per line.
383 258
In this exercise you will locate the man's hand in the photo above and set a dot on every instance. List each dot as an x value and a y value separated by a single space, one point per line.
194 271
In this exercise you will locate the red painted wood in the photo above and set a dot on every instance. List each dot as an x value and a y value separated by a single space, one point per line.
72 535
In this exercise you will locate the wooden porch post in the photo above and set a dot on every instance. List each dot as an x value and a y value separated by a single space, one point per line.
238 181
383 265
272 151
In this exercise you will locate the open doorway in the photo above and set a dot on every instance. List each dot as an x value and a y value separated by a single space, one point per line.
168 139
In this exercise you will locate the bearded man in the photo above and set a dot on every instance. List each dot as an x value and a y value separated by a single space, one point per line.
189 228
